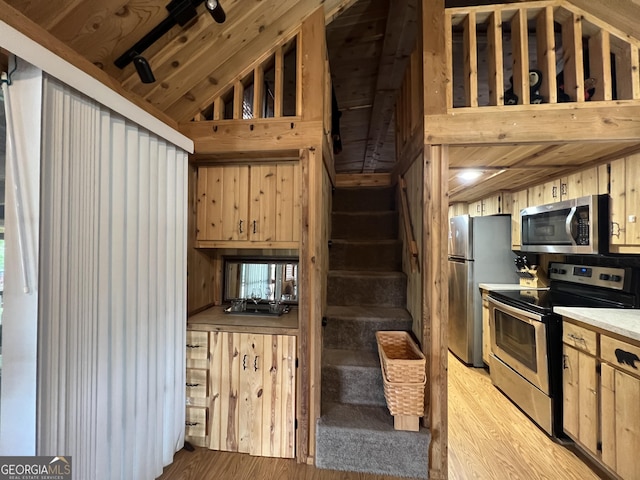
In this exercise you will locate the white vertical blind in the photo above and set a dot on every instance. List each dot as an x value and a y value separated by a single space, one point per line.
19 319
113 291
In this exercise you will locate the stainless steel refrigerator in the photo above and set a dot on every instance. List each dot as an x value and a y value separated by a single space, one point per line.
479 252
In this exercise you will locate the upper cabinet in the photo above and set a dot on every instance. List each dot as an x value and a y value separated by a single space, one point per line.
575 185
492 205
518 202
625 205
251 206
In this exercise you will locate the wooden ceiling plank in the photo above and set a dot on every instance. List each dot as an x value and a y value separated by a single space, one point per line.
399 42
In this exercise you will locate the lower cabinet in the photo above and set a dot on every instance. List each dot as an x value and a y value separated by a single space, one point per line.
601 397
250 395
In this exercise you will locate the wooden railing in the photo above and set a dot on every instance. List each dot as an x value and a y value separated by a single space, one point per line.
410 241
268 88
542 52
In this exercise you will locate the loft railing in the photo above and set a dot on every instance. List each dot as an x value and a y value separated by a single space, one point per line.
542 52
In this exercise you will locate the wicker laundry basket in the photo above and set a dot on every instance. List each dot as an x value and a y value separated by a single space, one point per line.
403 374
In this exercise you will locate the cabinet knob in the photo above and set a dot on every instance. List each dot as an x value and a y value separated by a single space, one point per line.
255 364
244 362
240 226
254 226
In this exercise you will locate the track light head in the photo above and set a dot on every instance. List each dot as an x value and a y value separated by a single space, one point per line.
144 69
216 11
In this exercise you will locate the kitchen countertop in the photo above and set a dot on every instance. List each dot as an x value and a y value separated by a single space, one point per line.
507 286
624 322
216 320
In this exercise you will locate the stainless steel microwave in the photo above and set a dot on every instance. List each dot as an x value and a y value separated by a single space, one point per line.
579 225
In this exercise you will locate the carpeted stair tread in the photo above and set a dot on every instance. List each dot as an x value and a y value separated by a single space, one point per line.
364 225
384 289
362 438
367 312
369 198
351 376
357 358
358 255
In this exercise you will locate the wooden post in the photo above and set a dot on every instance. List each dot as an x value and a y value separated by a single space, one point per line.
435 300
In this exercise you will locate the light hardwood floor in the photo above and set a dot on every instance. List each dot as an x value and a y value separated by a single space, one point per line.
489 439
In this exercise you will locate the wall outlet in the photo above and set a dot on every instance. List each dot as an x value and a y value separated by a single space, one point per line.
632 219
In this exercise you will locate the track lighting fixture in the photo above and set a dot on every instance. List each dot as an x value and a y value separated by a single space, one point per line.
144 69
181 12
216 11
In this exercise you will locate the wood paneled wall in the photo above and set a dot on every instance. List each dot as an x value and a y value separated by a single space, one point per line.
201 266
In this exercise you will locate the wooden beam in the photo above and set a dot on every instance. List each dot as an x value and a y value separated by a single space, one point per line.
546 52
600 65
313 47
259 135
572 55
399 42
520 56
436 45
363 180
560 123
495 59
435 302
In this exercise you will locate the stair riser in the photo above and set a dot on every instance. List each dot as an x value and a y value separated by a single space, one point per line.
363 200
345 256
382 226
356 334
351 384
352 291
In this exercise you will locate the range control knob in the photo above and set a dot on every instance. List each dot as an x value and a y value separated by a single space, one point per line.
616 278
604 276
562 271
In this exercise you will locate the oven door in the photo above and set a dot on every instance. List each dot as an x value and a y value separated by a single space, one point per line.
518 338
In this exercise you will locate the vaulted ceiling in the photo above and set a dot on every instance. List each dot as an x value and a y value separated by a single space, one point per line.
191 63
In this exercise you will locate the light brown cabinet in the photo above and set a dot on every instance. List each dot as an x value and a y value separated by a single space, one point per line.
625 205
579 184
519 200
580 397
257 205
252 399
601 395
492 205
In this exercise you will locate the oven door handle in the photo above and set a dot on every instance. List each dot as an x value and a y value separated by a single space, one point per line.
517 312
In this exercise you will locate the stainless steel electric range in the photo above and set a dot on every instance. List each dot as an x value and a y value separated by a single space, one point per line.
526 336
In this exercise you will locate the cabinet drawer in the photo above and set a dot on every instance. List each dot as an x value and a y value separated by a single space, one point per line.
197 345
579 337
620 354
196 383
196 422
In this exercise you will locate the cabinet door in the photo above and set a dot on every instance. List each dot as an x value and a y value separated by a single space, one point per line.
252 407
222 204
620 398
580 398
625 202
579 184
275 208
518 202
493 205
548 192
475 209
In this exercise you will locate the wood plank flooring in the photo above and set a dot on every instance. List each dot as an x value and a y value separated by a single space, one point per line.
489 439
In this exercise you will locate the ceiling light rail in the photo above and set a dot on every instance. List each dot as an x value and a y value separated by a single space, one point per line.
181 12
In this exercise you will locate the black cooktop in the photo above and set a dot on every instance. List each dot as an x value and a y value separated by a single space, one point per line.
543 301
